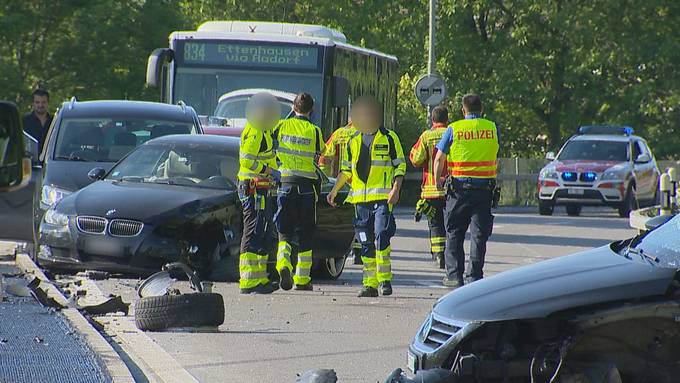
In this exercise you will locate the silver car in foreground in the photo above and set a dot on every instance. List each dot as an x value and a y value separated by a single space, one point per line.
611 314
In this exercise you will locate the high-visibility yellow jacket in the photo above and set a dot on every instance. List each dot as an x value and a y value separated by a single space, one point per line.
300 142
256 153
423 154
474 149
386 161
336 150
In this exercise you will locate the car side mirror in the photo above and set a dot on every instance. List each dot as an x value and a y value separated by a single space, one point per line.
550 156
643 158
340 92
15 166
96 174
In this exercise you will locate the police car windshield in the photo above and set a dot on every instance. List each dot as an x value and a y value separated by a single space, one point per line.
594 150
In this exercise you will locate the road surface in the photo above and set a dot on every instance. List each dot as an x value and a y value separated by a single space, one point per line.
273 338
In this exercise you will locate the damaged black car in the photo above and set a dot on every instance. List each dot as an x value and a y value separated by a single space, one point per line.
610 314
172 199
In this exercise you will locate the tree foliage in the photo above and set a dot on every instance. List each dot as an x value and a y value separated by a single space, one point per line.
543 67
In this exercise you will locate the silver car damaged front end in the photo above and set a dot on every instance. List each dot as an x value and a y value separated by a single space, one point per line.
436 341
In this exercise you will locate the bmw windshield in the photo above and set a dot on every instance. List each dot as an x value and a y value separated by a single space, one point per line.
661 246
167 164
594 150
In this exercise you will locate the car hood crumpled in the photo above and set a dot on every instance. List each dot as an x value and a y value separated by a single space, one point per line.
538 290
148 203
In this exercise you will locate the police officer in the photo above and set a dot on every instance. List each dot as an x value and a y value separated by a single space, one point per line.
257 176
375 166
423 155
300 142
469 148
330 160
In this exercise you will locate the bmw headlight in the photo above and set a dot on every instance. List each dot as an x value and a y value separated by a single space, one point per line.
50 195
610 175
425 329
548 174
55 218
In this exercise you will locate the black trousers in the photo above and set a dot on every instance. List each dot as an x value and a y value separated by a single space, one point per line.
467 208
296 214
257 217
437 229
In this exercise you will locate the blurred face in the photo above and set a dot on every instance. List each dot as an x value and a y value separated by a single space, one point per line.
263 111
40 104
366 118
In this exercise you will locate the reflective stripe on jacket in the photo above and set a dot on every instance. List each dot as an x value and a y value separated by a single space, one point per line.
474 149
423 154
300 142
387 162
256 153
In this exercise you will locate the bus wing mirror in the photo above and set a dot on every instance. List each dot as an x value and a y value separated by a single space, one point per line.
15 166
154 66
340 91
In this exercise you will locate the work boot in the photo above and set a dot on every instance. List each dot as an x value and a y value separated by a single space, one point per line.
259 289
368 291
442 263
286 279
386 288
305 287
453 283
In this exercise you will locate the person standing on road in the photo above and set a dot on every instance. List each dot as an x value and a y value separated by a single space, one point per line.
422 155
39 119
300 142
330 161
375 167
257 176
470 146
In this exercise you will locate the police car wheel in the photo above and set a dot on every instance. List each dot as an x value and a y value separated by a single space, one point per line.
629 202
573 210
545 207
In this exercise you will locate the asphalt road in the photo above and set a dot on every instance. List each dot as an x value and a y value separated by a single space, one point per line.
273 338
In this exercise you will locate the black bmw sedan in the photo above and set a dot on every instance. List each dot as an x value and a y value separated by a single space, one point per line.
171 199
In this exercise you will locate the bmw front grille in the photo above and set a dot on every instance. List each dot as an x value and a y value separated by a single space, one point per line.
115 227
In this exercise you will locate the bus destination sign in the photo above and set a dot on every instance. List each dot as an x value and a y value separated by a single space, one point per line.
228 53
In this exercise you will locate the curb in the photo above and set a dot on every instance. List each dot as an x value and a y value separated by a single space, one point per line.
113 364
156 363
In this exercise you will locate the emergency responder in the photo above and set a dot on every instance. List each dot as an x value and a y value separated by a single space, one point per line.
375 168
300 142
330 160
469 148
336 148
257 177
432 200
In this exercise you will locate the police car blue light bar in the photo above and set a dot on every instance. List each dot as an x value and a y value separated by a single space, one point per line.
605 129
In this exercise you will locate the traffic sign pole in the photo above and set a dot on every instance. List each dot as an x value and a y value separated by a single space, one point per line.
431 58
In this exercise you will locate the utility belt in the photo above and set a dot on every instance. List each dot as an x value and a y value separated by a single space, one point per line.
253 186
453 185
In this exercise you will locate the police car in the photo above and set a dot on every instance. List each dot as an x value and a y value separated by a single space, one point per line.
601 165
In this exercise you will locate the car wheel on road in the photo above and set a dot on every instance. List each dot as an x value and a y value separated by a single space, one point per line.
183 310
545 207
331 268
629 202
573 210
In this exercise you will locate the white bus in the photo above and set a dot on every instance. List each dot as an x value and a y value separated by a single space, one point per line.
223 60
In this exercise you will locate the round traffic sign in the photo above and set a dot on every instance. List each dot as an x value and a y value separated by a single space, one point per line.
430 90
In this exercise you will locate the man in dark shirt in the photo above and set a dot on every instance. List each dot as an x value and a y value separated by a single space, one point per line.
38 121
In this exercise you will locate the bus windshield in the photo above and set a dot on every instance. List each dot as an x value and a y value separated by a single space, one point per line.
207 70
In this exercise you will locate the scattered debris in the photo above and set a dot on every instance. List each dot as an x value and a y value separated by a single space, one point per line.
160 283
38 339
41 296
97 275
112 305
18 288
3 341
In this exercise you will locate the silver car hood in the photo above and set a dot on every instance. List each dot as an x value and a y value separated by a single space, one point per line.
536 291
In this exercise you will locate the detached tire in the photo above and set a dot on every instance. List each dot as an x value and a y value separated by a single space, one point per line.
184 310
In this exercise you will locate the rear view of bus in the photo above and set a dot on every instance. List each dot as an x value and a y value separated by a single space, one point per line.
218 66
